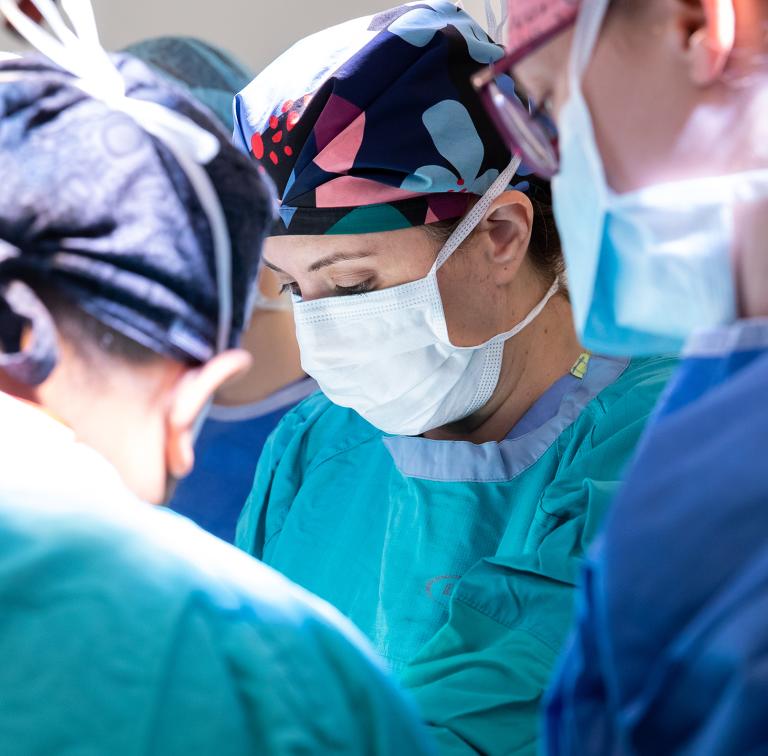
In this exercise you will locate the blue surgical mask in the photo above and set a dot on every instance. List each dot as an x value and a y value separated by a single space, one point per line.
649 267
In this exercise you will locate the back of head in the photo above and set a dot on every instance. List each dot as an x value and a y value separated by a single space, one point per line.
211 74
99 212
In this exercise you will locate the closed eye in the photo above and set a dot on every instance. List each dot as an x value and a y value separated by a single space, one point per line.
358 288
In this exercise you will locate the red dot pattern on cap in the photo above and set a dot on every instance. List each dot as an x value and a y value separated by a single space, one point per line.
257 146
293 119
276 130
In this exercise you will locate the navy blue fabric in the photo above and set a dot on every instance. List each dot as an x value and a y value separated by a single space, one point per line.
95 208
670 654
225 463
374 125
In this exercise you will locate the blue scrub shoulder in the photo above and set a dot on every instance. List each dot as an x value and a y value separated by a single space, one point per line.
151 611
673 657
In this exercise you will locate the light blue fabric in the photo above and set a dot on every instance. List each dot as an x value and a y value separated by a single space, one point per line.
461 574
670 653
127 630
226 453
526 443
420 26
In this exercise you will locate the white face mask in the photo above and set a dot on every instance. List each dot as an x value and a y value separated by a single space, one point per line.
387 354
645 268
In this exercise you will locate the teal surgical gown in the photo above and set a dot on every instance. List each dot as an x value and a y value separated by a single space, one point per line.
126 629
457 560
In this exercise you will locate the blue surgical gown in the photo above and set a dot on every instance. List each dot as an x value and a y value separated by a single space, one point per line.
226 454
670 653
126 629
457 560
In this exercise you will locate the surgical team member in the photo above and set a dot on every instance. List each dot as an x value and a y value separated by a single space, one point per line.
442 490
248 407
661 107
130 232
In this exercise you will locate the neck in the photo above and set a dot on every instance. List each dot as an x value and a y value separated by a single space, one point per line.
271 341
120 415
533 361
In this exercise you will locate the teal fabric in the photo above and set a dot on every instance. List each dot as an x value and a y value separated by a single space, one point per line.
465 587
126 629
212 75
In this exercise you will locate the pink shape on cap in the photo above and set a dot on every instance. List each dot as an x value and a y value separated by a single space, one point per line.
353 191
337 115
531 20
446 207
338 156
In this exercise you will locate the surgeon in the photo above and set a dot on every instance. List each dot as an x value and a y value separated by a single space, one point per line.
248 407
441 490
661 105
130 232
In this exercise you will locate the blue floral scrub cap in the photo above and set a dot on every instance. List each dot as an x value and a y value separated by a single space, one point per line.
373 125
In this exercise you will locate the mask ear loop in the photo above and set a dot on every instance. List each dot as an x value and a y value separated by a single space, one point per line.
473 218
589 22
465 228
496 28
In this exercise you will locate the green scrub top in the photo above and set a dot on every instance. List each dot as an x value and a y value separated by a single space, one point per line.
457 560
126 629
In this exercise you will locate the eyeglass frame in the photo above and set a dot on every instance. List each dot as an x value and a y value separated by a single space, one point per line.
485 77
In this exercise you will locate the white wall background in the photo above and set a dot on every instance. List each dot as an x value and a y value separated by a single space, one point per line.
257 31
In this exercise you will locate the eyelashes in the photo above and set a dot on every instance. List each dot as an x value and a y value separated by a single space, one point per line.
339 291
359 288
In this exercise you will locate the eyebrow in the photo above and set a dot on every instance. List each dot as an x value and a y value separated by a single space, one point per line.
324 262
269 265
338 257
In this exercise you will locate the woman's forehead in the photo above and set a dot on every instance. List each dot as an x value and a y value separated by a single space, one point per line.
307 247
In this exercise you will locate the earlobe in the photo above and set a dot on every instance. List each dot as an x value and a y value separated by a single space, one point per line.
711 44
195 389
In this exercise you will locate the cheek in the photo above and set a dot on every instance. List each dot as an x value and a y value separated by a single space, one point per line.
544 73
621 117
636 122
469 299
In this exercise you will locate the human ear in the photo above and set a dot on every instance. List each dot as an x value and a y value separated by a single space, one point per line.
191 395
508 224
708 30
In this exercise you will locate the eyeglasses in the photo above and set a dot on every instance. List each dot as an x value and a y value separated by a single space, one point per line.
526 126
